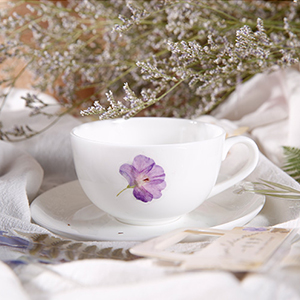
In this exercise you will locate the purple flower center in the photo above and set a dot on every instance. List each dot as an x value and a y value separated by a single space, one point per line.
145 177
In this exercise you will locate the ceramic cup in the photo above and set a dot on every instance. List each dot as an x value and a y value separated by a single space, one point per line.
150 171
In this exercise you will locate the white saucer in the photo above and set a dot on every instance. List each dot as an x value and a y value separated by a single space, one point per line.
65 210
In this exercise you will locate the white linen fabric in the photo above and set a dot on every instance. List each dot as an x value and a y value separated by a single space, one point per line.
267 104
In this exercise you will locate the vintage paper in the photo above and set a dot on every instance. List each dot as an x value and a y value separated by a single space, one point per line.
242 249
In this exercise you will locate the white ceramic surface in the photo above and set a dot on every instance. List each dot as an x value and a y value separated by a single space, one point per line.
67 211
150 171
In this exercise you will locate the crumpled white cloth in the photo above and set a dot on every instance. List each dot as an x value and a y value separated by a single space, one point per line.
269 105
266 104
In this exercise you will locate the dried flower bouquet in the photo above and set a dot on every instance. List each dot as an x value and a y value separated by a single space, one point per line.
158 57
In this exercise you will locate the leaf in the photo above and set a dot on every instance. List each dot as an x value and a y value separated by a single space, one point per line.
104 252
70 255
269 188
35 249
117 253
39 237
90 249
74 246
292 163
281 186
50 249
54 252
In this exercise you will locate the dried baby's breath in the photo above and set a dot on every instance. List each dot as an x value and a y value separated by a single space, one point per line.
158 57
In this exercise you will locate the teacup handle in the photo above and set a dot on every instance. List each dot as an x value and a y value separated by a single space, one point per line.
245 170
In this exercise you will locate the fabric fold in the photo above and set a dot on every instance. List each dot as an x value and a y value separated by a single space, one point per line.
266 104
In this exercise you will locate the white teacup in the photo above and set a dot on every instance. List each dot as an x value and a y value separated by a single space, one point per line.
149 171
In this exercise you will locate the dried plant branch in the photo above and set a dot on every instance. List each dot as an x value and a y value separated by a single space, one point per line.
158 57
269 188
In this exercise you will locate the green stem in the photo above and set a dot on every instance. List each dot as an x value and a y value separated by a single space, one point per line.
128 187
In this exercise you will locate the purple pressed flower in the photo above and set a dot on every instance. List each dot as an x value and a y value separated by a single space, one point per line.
12 241
145 177
255 229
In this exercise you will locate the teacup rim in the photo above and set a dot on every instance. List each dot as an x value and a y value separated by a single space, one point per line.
222 132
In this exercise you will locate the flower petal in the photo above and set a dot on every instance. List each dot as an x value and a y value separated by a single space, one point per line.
155 188
143 164
157 172
129 172
145 177
142 194
13 241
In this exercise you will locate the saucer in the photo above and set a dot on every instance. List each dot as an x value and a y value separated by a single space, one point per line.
66 210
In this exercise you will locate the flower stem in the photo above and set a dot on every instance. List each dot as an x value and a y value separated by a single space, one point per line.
127 187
